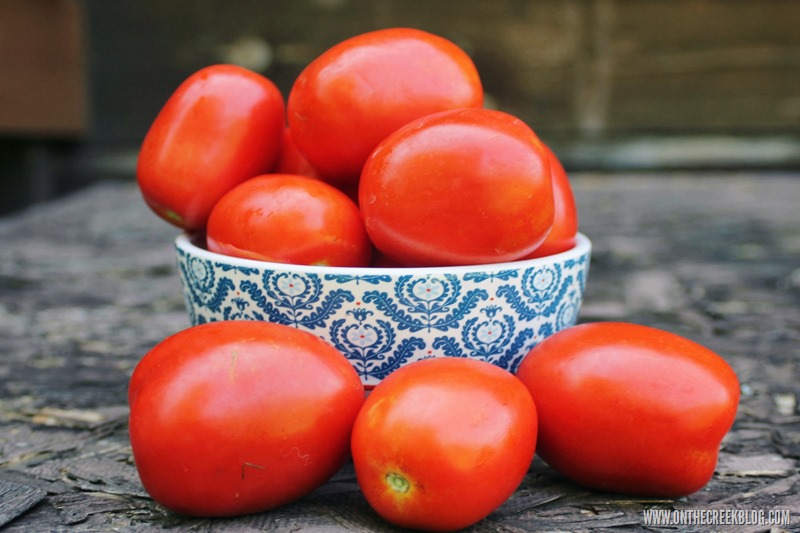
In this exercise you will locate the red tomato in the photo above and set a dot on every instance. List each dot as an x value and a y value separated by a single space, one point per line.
381 261
360 90
222 125
461 187
629 408
230 418
440 443
289 219
565 220
291 160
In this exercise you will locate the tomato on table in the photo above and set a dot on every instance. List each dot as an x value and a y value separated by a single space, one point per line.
442 442
288 218
221 126
629 408
462 187
360 90
565 215
230 418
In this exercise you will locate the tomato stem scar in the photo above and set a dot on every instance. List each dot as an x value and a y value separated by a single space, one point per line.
397 482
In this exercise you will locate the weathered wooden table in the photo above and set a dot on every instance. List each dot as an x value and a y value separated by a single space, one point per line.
88 284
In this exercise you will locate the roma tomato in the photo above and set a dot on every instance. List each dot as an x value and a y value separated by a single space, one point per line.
288 218
565 215
291 160
223 125
360 90
230 418
461 187
629 408
440 443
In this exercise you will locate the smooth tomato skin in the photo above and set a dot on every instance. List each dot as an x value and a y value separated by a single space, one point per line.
565 215
360 90
463 187
629 408
289 218
221 126
442 442
291 160
231 418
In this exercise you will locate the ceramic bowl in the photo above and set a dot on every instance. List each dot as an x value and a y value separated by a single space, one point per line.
383 318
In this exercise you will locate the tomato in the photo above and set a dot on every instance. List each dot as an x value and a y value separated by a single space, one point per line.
230 418
288 218
357 92
630 408
461 187
565 216
222 125
381 261
291 160
442 442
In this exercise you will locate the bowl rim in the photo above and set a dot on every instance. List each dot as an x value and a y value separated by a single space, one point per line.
583 246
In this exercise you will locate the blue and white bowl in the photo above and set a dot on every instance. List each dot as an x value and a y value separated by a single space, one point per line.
383 318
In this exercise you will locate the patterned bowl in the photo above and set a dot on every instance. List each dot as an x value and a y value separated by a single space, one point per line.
383 318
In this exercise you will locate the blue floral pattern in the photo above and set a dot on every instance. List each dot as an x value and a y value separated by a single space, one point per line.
384 320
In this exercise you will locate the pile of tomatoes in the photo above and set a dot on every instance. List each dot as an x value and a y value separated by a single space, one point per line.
237 417
389 158
382 154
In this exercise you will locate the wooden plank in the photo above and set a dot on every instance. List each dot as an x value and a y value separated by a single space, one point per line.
16 499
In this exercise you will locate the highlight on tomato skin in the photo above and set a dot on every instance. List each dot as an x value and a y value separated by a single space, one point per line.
441 443
237 417
221 126
629 408
288 218
461 187
358 91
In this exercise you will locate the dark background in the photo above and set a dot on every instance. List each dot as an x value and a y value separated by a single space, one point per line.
611 85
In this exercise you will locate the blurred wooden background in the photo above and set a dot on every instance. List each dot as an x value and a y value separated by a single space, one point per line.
610 84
